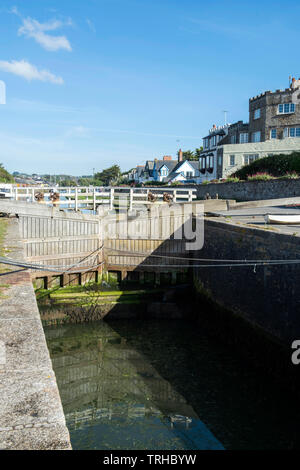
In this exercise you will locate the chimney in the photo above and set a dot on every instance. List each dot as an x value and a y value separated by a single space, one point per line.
180 156
167 158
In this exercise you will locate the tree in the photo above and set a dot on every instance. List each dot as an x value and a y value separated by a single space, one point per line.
109 176
198 152
189 155
5 177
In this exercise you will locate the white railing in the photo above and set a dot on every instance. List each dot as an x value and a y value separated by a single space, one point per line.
82 197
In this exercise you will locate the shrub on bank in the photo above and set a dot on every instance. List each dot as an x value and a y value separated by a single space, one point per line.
291 176
260 177
154 183
276 165
232 179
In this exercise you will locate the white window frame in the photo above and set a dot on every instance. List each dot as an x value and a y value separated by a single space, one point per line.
233 139
230 160
295 131
271 134
250 157
291 108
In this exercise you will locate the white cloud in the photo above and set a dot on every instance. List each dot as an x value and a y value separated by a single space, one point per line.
30 72
32 28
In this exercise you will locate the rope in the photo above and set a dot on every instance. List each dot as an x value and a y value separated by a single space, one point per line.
186 258
40 267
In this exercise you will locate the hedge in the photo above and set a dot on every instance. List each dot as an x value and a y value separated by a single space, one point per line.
275 165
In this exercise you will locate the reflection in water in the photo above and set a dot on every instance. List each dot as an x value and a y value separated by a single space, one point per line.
163 385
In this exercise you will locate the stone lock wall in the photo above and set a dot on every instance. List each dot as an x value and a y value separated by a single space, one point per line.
251 190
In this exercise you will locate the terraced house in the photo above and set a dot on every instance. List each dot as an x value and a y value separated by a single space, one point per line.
169 171
273 127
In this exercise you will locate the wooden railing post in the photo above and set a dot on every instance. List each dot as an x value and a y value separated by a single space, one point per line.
76 199
131 199
112 193
94 198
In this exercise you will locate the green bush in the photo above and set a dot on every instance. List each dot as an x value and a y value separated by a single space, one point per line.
291 176
276 165
5 177
260 177
232 179
154 183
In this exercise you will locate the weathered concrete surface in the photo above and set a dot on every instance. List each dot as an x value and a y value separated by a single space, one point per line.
31 414
251 190
36 209
255 217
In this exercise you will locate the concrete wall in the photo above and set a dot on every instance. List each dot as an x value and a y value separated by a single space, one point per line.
31 414
266 296
251 190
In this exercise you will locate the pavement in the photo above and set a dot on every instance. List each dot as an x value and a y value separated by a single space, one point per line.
254 217
31 413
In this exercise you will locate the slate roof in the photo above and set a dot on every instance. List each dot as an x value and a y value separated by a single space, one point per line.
170 164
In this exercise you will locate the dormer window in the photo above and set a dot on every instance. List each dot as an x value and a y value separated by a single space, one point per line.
257 114
286 108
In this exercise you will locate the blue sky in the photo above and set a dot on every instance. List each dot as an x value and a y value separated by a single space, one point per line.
91 83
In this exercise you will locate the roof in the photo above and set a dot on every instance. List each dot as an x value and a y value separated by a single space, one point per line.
170 164
139 170
150 164
193 163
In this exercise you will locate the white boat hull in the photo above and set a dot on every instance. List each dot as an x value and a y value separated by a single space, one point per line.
282 219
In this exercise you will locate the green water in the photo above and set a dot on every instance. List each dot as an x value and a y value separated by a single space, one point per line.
164 385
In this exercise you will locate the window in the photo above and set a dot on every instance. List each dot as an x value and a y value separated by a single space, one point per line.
257 114
250 158
205 143
244 138
220 161
232 160
286 108
292 132
189 174
273 133
233 139
256 137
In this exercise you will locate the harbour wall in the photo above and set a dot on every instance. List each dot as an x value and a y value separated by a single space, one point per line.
251 190
31 413
267 297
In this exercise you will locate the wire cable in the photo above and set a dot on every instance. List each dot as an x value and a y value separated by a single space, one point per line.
186 258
